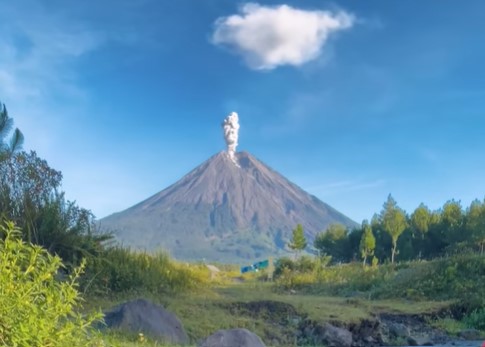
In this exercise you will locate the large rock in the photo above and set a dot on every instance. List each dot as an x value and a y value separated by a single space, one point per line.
333 336
399 330
469 334
142 316
232 338
420 341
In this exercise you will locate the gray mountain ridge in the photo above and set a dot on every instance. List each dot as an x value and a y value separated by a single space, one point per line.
223 212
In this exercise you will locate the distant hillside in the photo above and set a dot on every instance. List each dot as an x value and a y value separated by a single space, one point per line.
221 211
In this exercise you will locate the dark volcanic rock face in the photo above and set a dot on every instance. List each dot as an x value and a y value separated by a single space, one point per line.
220 211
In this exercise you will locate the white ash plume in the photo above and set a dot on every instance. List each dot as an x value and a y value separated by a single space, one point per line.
231 130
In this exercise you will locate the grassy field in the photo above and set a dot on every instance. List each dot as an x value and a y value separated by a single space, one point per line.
257 307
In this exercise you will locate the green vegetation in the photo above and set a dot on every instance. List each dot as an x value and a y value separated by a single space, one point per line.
119 270
393 222
333 242
423 235
298 240
8 146
367 242
36 309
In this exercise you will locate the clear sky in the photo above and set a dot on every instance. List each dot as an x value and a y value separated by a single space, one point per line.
350 100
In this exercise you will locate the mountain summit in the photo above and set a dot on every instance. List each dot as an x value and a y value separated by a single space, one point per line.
231 208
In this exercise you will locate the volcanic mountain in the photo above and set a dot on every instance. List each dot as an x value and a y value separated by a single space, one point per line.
226 209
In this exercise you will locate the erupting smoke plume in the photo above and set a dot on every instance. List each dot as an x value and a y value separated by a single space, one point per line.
231 129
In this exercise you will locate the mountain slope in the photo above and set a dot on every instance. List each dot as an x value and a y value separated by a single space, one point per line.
221 211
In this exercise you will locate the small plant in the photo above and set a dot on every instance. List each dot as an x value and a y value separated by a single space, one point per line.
476 319
36 309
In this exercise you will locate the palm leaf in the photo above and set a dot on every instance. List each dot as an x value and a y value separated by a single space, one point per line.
6 123
16 141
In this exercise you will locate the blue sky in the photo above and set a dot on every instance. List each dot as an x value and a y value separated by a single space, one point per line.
351 100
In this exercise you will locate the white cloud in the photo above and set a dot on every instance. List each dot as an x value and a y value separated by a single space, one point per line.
267 37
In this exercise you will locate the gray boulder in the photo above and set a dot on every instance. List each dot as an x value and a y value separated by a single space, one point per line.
399 330
142 316
469 334
420 341
333 336
232 338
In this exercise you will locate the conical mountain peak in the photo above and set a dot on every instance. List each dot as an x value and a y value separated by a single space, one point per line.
228 208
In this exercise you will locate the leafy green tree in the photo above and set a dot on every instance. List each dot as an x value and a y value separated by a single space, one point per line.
420 220
26 184
333 242
475 225
352 248
14 144
298 240
393 220
367 242
452 223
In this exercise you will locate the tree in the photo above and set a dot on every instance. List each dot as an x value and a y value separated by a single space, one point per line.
475 225
367 242
298 240
333 242
393 221
420 221
26 184
14 144
452 222
30 197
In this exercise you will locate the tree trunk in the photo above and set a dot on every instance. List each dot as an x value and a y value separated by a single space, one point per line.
365 258
393 251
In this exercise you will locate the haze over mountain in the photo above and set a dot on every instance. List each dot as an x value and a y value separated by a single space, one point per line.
230 208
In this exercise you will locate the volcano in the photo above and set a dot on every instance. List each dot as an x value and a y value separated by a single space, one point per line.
231 208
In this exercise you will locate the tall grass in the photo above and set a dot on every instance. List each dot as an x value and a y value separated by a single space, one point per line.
121 270
460 276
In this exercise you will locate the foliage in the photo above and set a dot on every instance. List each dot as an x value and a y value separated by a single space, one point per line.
29 196
298 240
476 319
475 225
36 309
8 146
393 220
120 270
461 276
333 242
367 242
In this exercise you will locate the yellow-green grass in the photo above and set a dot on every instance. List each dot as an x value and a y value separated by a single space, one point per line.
207 310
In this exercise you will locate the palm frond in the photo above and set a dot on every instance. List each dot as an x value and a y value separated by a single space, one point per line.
16 142
6 123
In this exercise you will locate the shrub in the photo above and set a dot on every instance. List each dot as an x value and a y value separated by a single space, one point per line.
37 309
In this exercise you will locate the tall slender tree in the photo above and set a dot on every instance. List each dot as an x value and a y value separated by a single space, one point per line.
393 221
367 242
298 241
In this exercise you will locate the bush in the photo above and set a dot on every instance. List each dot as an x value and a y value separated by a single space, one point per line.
37 309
